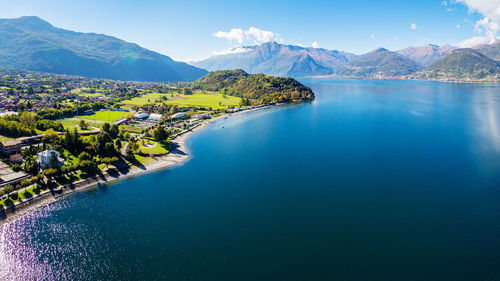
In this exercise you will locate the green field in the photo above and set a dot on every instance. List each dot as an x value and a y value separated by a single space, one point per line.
213 100
105 115
94 120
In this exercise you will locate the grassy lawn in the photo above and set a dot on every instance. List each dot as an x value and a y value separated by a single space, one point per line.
133 129
144 160
156 148
3 138
213 100
105 115
70 126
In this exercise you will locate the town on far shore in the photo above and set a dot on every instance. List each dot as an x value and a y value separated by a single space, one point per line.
59 131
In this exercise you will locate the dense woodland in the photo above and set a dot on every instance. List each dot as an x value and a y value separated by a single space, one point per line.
261 88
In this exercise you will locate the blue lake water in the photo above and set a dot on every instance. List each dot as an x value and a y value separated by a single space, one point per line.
374 180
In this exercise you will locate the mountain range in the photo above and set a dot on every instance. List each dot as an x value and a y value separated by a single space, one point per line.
277 59
30 43
295 61
464 65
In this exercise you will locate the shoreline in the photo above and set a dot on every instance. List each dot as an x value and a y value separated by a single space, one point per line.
176 157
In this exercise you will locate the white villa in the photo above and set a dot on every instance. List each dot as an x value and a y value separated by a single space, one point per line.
45 156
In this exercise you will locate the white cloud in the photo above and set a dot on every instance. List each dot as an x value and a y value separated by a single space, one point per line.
260 35
413 26
372 36
236 34
396 38
252 34
315 44
471 42
490 10
238 50
458 26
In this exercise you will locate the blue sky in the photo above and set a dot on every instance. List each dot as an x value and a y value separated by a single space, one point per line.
185 29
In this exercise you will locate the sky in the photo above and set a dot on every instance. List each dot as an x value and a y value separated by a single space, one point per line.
196 29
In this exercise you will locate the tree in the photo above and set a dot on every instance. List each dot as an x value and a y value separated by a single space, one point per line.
8 189
27 119
31 166
106 161
159 133
50 136
83 125
76 139
109 149
173 109
105 127
54 162
68 141
114 130
118 144
102 139
87 166
84 156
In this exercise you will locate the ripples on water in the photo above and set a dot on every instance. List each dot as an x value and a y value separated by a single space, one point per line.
31 249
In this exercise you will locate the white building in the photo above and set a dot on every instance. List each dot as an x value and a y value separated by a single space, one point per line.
45 156
155 117
141 116
178 115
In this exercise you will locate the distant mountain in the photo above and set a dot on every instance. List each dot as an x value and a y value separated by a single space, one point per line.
428 54
490 50
379 63
280 60
259 87
30 43
465 65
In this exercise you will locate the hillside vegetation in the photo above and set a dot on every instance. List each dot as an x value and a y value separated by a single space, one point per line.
258 87
30 43
465 64
380 62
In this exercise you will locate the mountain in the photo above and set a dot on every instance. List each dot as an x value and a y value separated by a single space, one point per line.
30 43
428 54
379 63
262 88
280 60
490 50
464 64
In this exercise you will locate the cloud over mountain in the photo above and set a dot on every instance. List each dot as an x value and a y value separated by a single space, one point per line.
252 34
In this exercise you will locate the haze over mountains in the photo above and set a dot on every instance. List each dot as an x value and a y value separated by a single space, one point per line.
30 43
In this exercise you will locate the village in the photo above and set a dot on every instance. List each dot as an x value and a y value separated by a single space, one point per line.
58 130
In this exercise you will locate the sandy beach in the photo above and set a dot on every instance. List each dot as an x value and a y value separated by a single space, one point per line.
176 157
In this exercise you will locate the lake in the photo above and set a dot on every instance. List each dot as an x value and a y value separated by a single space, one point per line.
374 180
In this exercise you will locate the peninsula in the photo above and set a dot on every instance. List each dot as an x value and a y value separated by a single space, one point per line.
60 134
